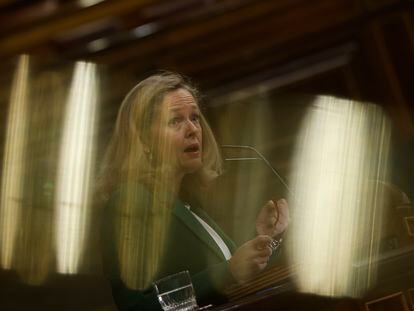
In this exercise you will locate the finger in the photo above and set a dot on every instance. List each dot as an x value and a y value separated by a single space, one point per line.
262 238
272 214
283 209
261 260
266 252
272 222
262 241
281 226
260 263
271 207
259 248
282 201
262 249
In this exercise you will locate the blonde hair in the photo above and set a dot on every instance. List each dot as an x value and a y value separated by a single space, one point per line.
125 159
140 232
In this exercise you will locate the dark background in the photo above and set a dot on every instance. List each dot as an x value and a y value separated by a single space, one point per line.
358 49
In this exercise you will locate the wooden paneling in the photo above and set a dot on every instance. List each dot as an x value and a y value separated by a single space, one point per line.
393 60
23 40
409 225
393 302
410 294
378 4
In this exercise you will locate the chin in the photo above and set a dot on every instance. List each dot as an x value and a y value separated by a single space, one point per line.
193 167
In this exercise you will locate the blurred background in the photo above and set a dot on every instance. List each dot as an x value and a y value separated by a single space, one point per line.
260 66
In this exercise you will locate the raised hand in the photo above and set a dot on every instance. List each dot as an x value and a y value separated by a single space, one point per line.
273 218
250 258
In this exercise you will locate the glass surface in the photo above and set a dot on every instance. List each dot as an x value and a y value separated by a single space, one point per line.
176 292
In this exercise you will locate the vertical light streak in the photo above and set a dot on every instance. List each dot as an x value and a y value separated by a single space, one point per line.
75 168
13 165
243 186
143 214
35 251
341 155
252 177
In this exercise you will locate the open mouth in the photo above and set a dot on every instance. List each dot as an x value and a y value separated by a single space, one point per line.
192 148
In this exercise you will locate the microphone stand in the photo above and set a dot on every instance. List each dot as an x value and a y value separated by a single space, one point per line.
261 157
274 245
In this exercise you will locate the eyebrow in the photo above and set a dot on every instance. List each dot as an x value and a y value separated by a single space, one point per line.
194 107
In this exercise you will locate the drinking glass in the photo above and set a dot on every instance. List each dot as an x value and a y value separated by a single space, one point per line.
176 292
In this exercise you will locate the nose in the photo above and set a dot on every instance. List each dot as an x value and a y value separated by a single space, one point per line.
191 129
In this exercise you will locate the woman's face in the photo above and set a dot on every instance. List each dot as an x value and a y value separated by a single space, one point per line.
177 127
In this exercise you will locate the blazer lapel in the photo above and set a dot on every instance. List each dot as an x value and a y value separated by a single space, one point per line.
182 213
229 242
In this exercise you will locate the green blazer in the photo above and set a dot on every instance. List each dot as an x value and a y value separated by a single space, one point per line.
188 247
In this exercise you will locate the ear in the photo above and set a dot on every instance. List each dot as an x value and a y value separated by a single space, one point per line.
147 152
146 149
144 140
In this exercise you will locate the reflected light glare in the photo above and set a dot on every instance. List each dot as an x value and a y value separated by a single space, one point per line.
13 165
88 3
341 155
98 45
75 168
145 30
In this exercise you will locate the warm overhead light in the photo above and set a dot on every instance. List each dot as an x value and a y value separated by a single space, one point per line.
144 30
87 3
98 45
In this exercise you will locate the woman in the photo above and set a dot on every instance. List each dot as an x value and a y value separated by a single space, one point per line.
161 158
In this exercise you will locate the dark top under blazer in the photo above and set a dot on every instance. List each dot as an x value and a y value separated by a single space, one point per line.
188 247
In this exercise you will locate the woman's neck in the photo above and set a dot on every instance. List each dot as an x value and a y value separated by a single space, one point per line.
172 184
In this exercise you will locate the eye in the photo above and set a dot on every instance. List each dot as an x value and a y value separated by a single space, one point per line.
173 122
195 118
